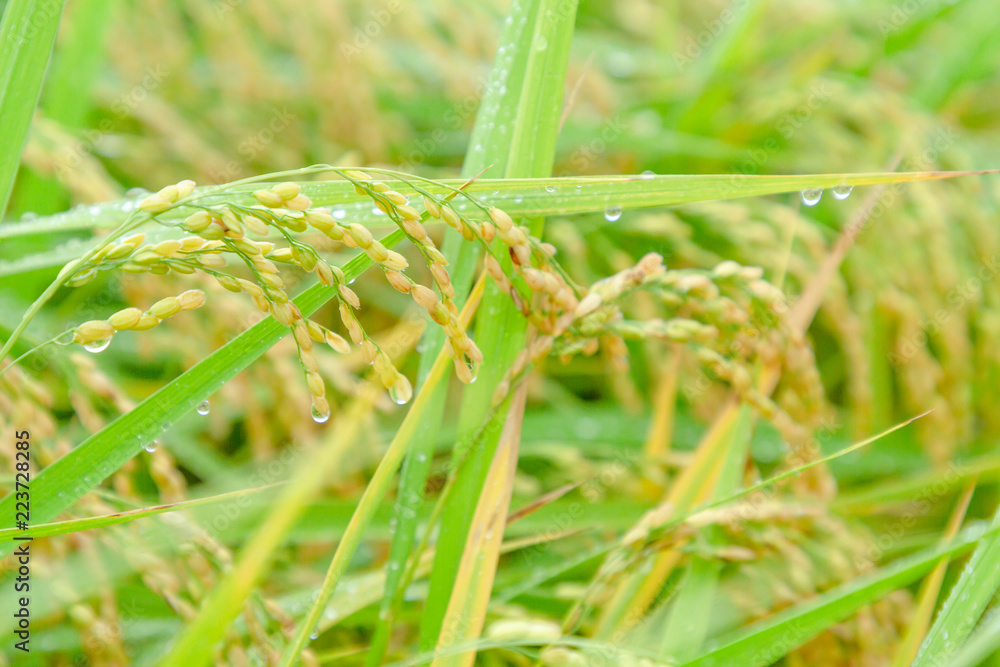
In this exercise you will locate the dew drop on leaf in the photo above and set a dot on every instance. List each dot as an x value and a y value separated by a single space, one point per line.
612 213
812 196
204 407
842 192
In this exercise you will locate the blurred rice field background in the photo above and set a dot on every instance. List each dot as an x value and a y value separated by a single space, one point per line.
142 95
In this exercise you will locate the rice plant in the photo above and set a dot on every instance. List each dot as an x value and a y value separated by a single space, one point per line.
669 342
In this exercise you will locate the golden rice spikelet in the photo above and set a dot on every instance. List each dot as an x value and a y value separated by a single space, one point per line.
424 296
191 299
269 198
146 322
349 296
92 332
432 207
298 203
337 342
125 319
399 281
154 204
287 190
361 235
165 308
501 219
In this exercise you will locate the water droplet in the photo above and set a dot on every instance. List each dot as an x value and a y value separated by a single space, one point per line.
204 407
396 397
550 188
612 213
422 457
152 445
541 43
65 338
339 214
842 192
320 417
28 216
97 346
812 196
314 635
165 426
137 192
647 175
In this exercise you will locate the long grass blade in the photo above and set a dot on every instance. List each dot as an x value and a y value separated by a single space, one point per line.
972 593
533 56
90 523
463 620
530 196
767 641
27 34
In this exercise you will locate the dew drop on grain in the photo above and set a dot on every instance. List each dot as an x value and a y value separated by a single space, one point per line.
97 346
320 416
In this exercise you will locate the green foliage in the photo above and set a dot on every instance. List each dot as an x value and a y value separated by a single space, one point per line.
680 489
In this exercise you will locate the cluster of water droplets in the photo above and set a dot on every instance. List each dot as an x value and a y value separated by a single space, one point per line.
811 196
